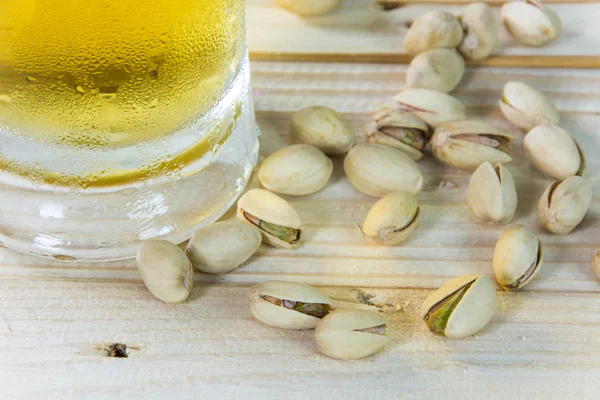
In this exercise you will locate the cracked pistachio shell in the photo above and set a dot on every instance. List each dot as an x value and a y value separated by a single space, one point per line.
553 151
518 257
481 31
221 247
275 212
466 144
527 107
324 128
437 69
432 30
309 8
377 170
461 307
166 270
492 195
401 130
530 22
431 106
392 218
296 170
285 317
564 204
350 334
596 264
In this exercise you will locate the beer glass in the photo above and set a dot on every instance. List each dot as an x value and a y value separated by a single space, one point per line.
120 121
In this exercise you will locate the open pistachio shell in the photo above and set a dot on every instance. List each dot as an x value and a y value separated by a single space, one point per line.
527 107
492 195
531 22
481 31
435 29
324 128
437 69
461 307
401 130
518 257
564 204
276 219
431 106
466 144
309 8
392 219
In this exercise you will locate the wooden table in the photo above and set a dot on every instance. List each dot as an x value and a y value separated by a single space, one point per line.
56 320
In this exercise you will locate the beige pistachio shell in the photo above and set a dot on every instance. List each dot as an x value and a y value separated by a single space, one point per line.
297 170
166 271
564 204
518 257
431 106
285 316
221 247
272 209
466 144
481 31
553 151
437 69
460 308
309 7
530 22
492 195
401 130
350 334
377 170
527 107
432 30
324 128
392 218
596 264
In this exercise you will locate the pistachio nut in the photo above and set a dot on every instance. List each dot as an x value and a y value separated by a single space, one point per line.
492 195
518 257
553 151
400 130
530 22
527 107
309 8
467 144
166 271
564 204
350 334
461 307
276 219
437 69
377 170
432 30
392 219
288 305
481 31
222 247
596 263
297 170
431 106
324 128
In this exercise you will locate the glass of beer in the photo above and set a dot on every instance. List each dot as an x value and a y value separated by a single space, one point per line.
120 121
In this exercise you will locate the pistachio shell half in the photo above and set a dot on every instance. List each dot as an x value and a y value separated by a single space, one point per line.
527 107
433 30
431 106
350 334
276 219
400 130
377 170
467 144
324 128
288 305
461 307
564 204
309 8
518 257
530 22
492 195
481 31
437 69
296 170
392 219
553 151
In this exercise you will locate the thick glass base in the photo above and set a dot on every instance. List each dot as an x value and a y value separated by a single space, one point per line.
164 189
